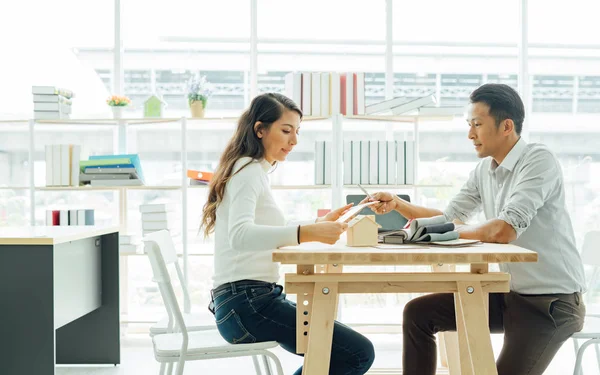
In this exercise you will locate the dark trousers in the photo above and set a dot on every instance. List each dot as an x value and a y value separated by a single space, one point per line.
534 326
254 311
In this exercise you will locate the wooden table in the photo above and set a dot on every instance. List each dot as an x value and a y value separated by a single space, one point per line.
60 297
319 280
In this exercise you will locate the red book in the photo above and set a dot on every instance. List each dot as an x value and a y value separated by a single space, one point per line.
55 217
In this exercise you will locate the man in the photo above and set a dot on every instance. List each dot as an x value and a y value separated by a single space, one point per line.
520 188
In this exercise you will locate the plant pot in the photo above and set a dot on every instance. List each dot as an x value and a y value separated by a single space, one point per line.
197 109
117 112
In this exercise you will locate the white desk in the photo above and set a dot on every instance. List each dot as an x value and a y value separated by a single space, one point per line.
60 293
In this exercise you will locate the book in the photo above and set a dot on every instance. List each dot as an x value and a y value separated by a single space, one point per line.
431 229
41 98
199 175
116 182
51 90
414 104
133 159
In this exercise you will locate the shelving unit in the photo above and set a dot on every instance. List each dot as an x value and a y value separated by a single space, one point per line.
336 125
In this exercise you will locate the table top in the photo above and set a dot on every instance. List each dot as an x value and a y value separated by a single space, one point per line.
50 235
410 254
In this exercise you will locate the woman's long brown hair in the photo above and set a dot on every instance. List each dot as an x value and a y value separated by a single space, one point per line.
266 109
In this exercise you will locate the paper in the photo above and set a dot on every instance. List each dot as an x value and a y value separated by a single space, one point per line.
354 211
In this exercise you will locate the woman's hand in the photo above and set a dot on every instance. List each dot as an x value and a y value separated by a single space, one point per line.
386 203
335 214
328 232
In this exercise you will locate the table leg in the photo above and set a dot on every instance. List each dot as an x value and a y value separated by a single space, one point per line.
464 363
320 333
303 311
476 331
448 341
336 268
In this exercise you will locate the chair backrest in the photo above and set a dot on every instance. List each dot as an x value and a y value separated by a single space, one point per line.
162 278
165 243
590 255
590 251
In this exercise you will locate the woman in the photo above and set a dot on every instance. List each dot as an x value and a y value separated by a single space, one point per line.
248 304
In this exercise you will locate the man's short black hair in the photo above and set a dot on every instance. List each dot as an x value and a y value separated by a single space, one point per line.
504 103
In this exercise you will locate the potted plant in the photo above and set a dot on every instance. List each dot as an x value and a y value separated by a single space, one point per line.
117 102
198 92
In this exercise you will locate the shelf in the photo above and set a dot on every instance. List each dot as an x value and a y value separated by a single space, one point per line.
14 188
398 186
90 188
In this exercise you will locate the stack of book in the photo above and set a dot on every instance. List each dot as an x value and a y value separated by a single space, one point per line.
111 170
369 162
62 165
199 177
51 103
129 243
158 216
80 216
327 93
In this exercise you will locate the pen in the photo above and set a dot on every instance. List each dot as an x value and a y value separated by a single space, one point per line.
364 191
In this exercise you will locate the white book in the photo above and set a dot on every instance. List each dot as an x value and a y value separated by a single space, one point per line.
319 162
49 217
384 106
156 225
364 162
327 164
52 90
65 165
410 161
350 94
81 217
382 161
356 162
73 217
157 207
293 87
49 173
52 107
306 94
413 105
128 239
130 182
41 98
391 162
158 216
442 111
325 94
400 162
373 162
347 157
56 165
360 93
316 94
335 95
128 248
50 115
75 156
64 218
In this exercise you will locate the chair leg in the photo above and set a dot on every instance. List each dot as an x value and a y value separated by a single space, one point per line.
576 347
170 368
267 365
180 365
275 360
597 347
163 366
579 359
256 365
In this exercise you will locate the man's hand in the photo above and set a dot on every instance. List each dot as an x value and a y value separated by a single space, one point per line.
387 203
335 214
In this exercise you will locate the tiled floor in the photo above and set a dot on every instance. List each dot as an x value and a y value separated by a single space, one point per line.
137 358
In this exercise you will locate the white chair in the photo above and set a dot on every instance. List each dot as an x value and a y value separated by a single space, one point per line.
590 254
193 322
179 345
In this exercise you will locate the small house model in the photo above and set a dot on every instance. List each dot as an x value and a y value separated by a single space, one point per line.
154 106
362 231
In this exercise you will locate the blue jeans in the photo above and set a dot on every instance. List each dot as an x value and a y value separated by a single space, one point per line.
250 311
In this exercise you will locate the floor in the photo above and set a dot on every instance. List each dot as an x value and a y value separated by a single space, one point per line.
137 358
